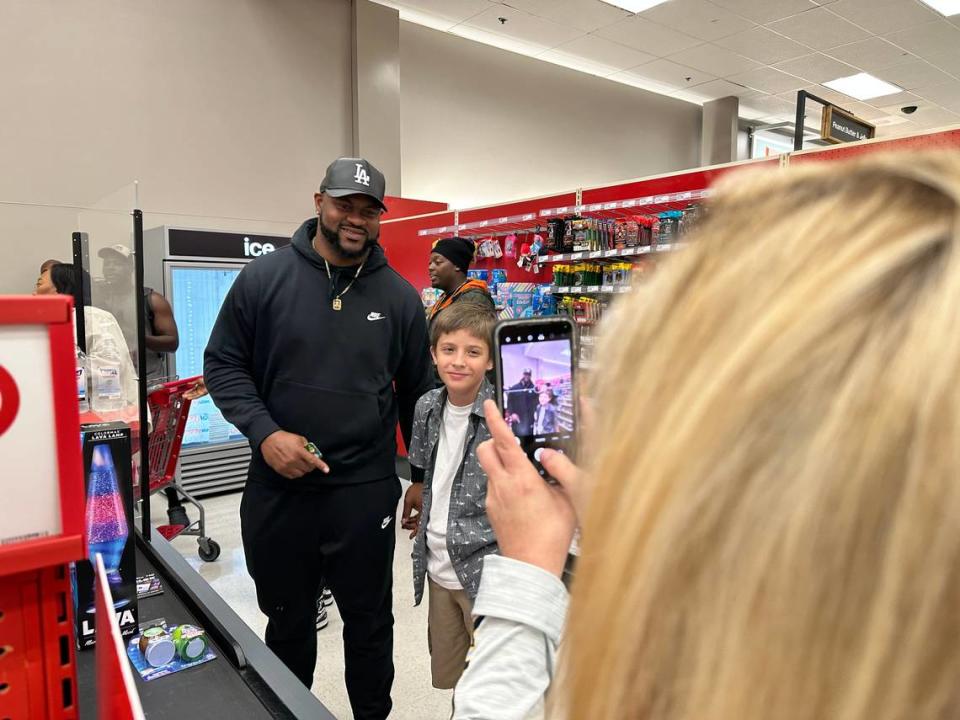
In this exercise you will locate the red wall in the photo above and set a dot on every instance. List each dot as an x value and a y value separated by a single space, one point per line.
398 207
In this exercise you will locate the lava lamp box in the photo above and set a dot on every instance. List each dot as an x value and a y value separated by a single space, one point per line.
109 526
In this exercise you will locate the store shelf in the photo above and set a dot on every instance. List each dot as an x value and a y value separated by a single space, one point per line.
531 222
589 290
610 254
633 206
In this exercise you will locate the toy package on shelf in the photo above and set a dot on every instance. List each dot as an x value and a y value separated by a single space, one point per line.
497 277
516 299
430 297
159 651
108 472
479 275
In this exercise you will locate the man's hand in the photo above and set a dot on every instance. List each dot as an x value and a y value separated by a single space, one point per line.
198 390
534 521
412 501
286 454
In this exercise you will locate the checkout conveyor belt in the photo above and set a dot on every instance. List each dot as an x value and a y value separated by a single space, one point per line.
245 681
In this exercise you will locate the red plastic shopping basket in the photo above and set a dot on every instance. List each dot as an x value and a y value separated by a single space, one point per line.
169 409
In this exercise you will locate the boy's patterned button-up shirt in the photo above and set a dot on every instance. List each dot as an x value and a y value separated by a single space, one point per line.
469 534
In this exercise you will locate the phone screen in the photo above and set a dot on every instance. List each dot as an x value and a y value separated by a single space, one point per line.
535 383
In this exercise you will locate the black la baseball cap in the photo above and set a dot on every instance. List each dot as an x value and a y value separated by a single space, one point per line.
354 176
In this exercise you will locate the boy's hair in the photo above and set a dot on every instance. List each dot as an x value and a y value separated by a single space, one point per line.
474 317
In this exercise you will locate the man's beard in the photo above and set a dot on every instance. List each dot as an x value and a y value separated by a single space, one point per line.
333 237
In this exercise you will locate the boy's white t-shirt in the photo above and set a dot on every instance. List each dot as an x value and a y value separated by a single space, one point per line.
450 446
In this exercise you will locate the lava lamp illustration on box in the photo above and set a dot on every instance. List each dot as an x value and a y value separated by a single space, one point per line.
107 530
108 473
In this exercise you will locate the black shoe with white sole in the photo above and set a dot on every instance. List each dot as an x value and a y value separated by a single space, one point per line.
326 597
322 620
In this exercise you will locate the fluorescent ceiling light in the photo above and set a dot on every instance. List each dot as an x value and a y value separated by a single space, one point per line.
944 7
636 6
863 86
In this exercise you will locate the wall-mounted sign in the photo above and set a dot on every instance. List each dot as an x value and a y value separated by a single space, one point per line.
840 127
213 244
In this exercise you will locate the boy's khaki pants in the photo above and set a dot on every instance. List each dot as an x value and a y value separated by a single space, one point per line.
449 634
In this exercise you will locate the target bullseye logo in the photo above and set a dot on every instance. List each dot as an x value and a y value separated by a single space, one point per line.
9 400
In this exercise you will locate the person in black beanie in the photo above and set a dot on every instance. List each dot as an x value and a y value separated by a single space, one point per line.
449 261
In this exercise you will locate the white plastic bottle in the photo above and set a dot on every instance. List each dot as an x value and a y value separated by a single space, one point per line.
106 381
82 398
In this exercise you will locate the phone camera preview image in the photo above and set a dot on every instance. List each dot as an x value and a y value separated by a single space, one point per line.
538 399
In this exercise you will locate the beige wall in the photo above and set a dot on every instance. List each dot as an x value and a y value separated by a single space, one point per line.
218 107
481 125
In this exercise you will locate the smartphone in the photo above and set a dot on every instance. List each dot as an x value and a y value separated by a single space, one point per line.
536 383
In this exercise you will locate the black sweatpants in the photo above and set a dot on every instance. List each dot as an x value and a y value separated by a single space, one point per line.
346 535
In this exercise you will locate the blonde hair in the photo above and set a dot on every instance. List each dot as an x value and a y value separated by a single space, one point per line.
775 525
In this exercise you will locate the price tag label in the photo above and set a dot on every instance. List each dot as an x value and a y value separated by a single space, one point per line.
596 254
629 203
576 288
607 288
643 251
611 253
629 251
563 290
560 211
593 288
611 206
576 256
659 199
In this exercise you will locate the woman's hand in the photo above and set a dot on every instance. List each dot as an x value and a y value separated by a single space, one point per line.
533 520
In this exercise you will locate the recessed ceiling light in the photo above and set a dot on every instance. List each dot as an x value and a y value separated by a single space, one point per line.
944 7
635 6
863 86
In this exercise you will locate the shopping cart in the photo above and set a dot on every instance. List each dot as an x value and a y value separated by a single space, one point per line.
169 409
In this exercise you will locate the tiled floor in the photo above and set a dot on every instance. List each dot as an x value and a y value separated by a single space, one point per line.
413 696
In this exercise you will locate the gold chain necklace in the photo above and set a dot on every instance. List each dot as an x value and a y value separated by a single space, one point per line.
337 303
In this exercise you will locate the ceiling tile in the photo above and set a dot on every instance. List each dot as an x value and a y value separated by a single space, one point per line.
893 103
934 116
948 62
820 29
816 68
764 11
523 26
873 55
884 16
763 45
505 42
573 13
768 80
452 10
771 104
714 59
723 88
672 74
630 77
606 52
944 94
698 18
917 74
641 34
931 39
865 111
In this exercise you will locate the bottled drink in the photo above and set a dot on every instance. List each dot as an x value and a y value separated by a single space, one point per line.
82 398
106 381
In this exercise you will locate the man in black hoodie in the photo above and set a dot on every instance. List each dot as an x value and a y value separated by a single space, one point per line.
322 342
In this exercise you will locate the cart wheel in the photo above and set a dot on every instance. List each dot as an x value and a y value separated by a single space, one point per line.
209 550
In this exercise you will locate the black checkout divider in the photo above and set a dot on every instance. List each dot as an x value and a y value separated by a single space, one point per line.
246 680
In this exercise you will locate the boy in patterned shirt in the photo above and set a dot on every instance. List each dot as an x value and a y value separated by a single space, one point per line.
452 533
